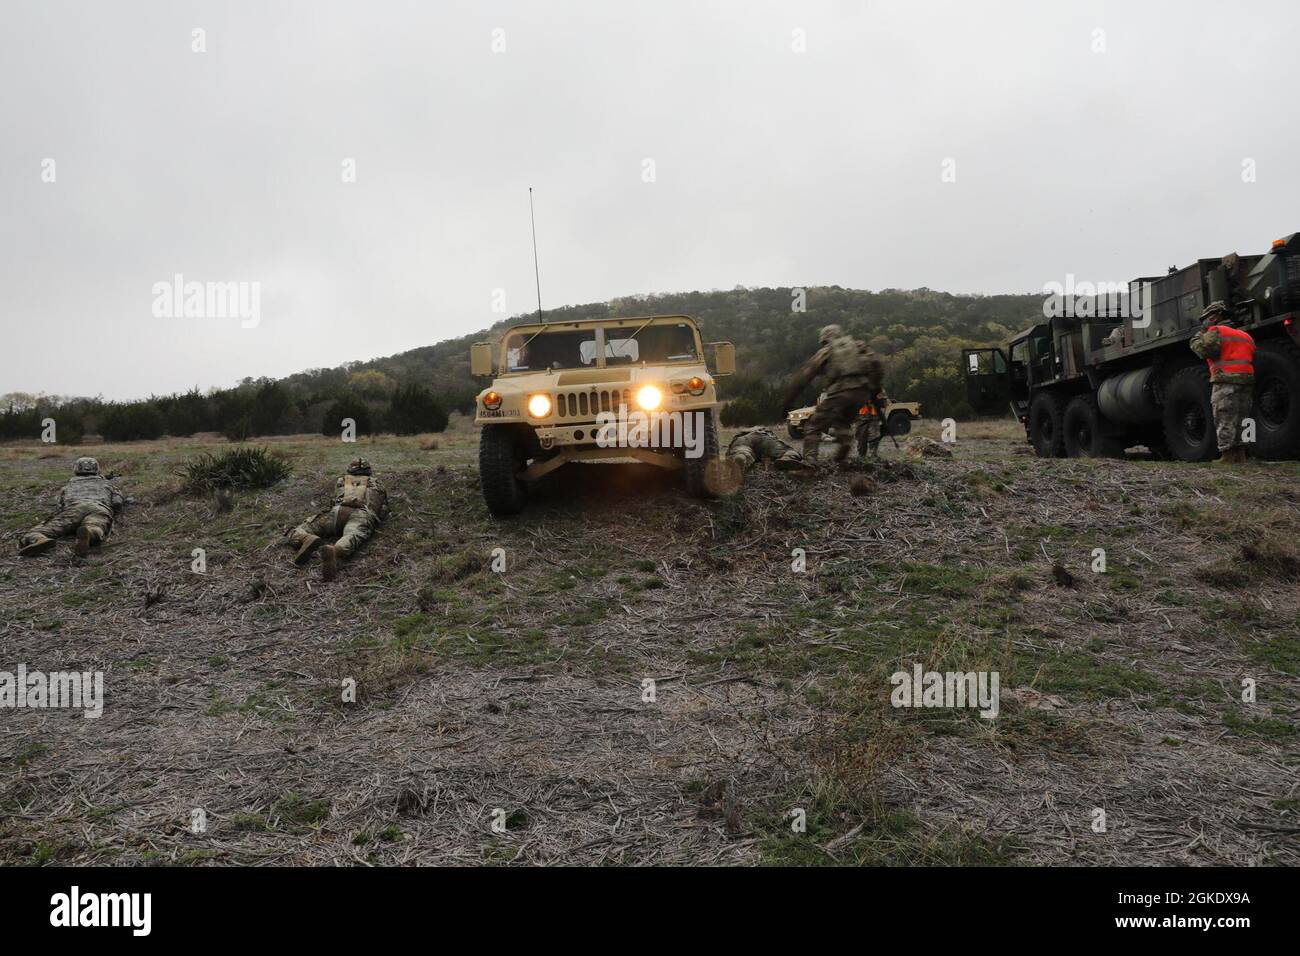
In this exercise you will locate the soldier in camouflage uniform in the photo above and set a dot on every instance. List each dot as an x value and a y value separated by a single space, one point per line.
851 376
86 507
1230 353
359 505
759 444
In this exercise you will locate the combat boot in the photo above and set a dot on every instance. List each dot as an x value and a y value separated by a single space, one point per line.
82 547
329 563
39 545
307 548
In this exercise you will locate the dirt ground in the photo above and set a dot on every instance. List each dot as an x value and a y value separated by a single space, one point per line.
508 717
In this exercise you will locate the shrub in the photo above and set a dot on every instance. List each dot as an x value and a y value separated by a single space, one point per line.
346 407
135 421
236 468
414 410
741 412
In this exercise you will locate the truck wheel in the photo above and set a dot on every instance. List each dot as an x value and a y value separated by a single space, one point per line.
500 459
898 423
698 472
793 430
1046 426
1188 418
1276 408
1086 430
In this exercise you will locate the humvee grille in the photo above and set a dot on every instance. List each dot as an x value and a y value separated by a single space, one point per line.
590 402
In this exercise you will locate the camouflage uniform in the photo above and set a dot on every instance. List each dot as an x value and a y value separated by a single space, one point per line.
1231 393
758 444
359 505
852 376
870 429
86 507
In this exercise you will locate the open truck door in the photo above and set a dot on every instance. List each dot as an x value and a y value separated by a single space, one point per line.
988 386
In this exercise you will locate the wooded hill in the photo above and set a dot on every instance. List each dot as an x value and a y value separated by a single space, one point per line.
918 333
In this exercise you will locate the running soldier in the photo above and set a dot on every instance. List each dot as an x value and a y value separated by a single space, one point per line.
851 375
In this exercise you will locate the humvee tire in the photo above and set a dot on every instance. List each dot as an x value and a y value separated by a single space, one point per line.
500 458
1046 425
899 423
794 431
1188 418
1276 408
697 469
1085 430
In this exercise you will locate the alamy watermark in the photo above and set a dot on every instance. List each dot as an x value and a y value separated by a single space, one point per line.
953 689
1085 300
71 690
638 429
178 299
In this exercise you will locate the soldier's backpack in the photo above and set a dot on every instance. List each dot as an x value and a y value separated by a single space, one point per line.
849 359
354 491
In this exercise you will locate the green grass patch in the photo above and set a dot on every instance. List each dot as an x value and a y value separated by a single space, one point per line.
245 467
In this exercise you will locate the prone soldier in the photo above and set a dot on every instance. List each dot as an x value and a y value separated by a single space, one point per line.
359 505
759 444
87 505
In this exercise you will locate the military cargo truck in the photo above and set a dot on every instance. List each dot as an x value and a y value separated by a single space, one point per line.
1111 371
596 390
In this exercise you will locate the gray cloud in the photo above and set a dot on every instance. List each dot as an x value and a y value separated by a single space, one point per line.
772 167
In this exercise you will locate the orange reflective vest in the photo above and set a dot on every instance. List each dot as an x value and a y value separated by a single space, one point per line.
1236 354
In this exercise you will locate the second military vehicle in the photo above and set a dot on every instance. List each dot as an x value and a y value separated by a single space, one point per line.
596 390
898 417
1111 371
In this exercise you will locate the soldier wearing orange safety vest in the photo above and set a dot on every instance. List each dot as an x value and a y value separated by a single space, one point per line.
1230 354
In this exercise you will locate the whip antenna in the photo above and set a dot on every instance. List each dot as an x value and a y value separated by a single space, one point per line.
536 272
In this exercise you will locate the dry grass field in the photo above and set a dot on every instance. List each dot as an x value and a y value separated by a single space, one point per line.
520 697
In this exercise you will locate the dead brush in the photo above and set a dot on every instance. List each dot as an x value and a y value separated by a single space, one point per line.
1271 559
429 444
451 568
1263 559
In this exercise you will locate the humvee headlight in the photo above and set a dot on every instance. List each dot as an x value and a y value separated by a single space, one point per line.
696 385
649 398
539 406
492 400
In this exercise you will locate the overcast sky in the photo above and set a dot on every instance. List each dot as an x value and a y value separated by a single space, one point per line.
672 145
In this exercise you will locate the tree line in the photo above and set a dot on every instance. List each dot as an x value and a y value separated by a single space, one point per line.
253 409
918 333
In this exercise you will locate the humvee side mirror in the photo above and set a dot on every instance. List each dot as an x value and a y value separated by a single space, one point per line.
724 358
480 358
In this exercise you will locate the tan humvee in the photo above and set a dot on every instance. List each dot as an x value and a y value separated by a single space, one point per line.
898 417
596 390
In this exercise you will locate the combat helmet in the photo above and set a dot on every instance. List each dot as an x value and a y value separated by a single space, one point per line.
829 333
86 466
1217 307
359 466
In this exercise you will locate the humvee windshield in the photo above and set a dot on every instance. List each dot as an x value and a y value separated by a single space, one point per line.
567 349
